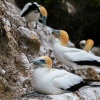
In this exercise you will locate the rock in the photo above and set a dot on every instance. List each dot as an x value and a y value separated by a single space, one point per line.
18 45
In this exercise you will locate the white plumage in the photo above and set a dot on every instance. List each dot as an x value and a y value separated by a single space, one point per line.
34 12
59 52
80 56
53 81
25 8
72 56
90 42
93 50
30 12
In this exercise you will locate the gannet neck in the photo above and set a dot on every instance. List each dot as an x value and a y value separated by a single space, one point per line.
89 45
43 11
64 38
44 69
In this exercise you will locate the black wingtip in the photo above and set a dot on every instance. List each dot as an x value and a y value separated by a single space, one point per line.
95 63
77 86
91 80
92 85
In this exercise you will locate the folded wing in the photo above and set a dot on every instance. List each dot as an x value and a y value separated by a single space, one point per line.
70 82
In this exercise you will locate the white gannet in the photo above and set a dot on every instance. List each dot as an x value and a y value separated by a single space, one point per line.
94 50
72 56
34 12
88 44
47 80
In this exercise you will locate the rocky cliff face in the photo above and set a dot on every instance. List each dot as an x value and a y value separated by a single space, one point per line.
18 45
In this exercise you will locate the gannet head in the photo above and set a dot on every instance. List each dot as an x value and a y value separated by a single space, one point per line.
64 38
82 44
42 9
89 45
43 13
44 61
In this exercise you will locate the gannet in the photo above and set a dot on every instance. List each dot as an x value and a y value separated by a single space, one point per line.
34 12
94 50
87 46
72 57
47 80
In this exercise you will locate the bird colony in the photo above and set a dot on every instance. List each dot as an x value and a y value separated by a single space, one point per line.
44 60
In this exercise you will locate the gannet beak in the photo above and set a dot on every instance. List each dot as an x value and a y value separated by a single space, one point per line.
35 61
44 20
56 33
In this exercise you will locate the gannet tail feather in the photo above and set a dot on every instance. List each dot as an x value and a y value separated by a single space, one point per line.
91 80
77 86
92 85
95 63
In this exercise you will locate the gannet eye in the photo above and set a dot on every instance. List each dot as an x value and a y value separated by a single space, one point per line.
43 61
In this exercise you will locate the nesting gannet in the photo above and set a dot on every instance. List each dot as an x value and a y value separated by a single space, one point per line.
94 50
72 56
34 12
87 45
46 80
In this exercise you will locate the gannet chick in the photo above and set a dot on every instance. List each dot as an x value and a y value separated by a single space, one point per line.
47 80
34 12
72 57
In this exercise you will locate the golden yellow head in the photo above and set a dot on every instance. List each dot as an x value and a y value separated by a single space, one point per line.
43 11
89 45
64 38
48 61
